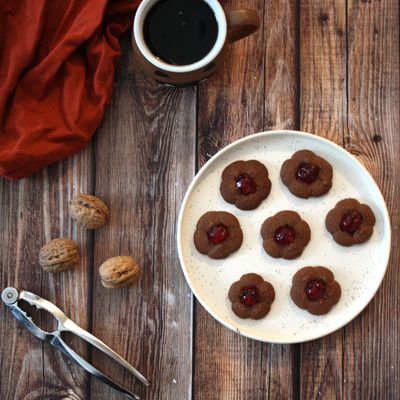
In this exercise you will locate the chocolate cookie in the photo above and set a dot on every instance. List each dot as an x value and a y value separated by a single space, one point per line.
306 174
245 184
350 222
285 235
218 234
251 296
315 290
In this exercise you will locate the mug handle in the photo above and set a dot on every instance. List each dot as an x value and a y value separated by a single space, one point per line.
241 23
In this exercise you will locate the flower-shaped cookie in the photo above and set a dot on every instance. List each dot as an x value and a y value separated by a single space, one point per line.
350 222
251 296
306 174
245 184
315 290
285 235
218 234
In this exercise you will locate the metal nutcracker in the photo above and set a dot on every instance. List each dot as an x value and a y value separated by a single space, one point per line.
11 297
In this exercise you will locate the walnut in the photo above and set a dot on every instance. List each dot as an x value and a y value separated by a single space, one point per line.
59 255
89 211
119 271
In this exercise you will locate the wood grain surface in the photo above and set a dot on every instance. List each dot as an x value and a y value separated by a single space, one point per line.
144 161
230 106
33 211
323 112
372 341
326 67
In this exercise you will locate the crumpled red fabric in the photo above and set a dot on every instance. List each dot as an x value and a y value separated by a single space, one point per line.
57 64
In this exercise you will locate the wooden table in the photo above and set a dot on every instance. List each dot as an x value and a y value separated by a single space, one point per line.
327 67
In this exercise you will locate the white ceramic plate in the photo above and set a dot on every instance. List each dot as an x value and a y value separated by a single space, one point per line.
359 269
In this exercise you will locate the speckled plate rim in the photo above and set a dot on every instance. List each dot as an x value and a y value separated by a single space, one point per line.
256 136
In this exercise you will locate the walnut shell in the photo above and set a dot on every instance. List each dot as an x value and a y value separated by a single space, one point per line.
119 271
59 255
88 211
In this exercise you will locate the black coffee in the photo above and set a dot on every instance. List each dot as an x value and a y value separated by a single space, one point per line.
180 32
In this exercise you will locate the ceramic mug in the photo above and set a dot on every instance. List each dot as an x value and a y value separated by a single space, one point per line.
232 26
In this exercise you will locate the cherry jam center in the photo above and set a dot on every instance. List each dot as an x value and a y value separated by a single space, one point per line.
245 184
285 235
218 233
250 296
315 290
351 221
307 172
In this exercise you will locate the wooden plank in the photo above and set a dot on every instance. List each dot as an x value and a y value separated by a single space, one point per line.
144 163
281 112
323 112
230 103
33 211
21 353
230 106
371 361
71 291
255 89
323 68
281 64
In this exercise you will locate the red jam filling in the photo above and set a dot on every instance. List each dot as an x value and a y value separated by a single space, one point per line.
250 296
307 172
218 233
351 221
245 184
285 235
315 290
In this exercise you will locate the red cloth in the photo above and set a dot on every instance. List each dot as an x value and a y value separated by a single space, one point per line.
57 64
